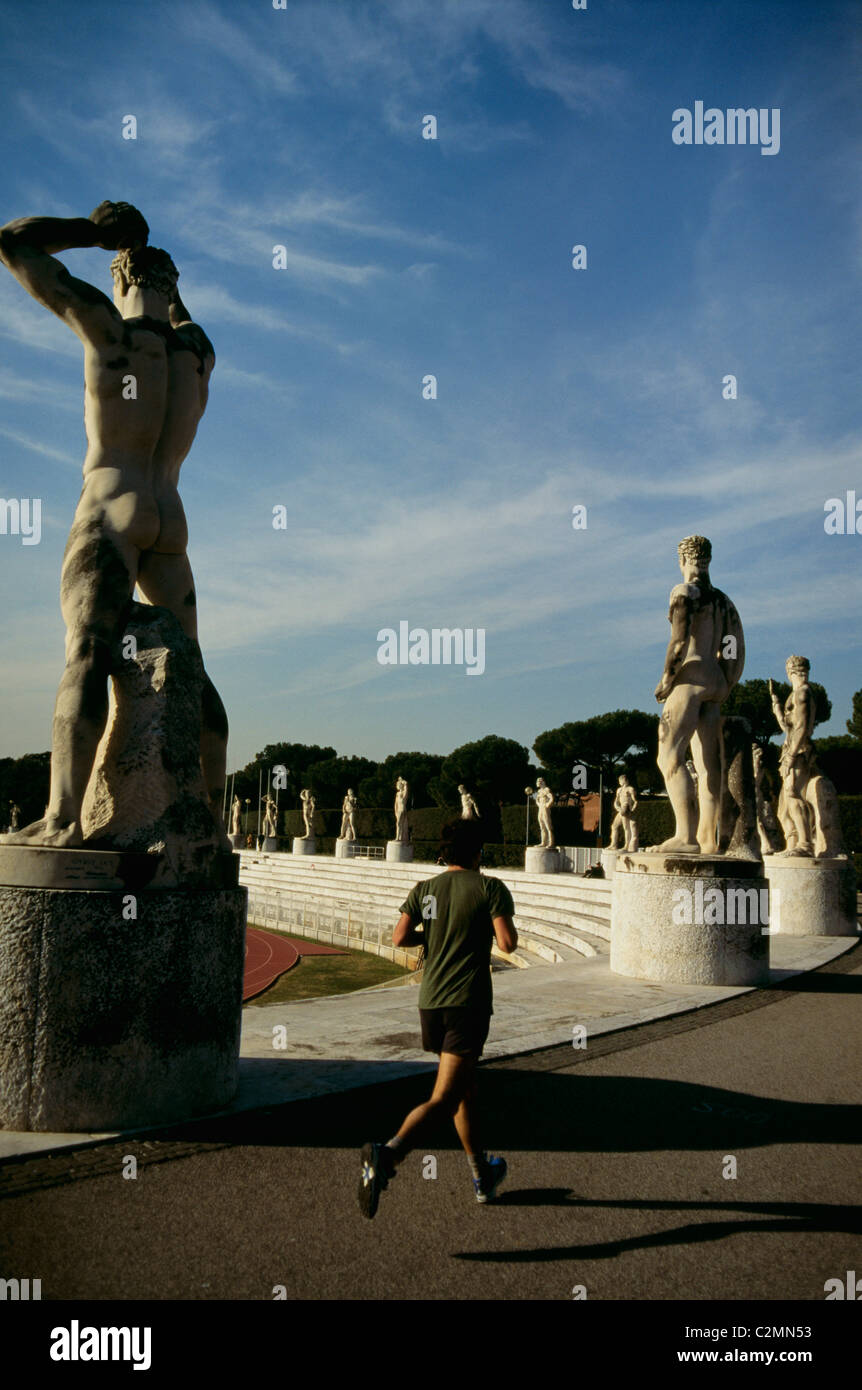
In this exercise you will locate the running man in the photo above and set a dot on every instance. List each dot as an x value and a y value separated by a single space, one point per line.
461 913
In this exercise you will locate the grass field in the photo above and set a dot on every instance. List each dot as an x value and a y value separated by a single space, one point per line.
313 976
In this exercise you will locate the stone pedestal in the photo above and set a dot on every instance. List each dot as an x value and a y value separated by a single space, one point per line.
120 1000
270 844
690 919
301 846
812 897
344 849
609 861
398 853
238 841
542 861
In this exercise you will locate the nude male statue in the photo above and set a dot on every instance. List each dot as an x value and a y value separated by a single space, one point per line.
624 826
308 805
129 526
704 661
808 806
544 802
235 816
469 809
270 829
348 807
402 832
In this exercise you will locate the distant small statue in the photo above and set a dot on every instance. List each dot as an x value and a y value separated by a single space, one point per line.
348 808
544 802
14 815
469 809
235 816
308 805
808 804
402 830
624 825
767 825
269 819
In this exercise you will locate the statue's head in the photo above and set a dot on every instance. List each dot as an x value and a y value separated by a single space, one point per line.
462 789
695 551
623 780
797 666
540 781
146 268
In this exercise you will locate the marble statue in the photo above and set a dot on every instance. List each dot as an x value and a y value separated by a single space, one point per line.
146 371
767 825
624 825
402 830
469 809
308 805
704 661
235 816
269 818
348 808
544 802
14 815
808 804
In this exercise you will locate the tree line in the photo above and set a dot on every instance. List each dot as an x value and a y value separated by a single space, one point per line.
496 770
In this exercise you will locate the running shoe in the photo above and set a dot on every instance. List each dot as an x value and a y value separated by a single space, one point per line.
494 1172
374 1177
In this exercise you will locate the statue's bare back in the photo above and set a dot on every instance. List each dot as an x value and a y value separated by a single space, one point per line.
146 369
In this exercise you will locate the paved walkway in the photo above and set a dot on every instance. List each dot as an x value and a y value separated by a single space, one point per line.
620 1183
346 1041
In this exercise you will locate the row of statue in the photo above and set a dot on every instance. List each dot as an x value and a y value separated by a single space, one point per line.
469 810
704 661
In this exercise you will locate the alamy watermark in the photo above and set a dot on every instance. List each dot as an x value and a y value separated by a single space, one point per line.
735 126
442 646
21 517
700 906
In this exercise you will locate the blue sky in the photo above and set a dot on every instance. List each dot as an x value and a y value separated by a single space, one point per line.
303 127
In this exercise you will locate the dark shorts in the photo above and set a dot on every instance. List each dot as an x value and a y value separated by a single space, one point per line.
461 1031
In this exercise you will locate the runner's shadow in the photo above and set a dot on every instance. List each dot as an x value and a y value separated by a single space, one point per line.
781 1218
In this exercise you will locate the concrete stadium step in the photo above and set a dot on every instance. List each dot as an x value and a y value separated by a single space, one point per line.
559 918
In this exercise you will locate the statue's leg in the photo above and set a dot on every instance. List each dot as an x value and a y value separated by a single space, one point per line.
706 756
166 580
798 810
676 728
96 586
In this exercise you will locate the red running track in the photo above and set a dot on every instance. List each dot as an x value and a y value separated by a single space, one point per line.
269 954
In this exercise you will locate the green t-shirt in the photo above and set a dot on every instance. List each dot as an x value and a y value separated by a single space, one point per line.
456 910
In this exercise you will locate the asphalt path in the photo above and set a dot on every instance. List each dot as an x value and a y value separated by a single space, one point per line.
621 1184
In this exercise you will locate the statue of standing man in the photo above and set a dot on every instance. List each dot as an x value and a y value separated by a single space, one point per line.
624 824
129 527
808 805
704 661
348 809
469 809
402 830
544 802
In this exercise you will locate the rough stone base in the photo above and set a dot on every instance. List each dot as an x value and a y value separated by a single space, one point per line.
301 846
542 861
238 841
110 1020
609 861
398 853
812 897
344 849
270 844
652 892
